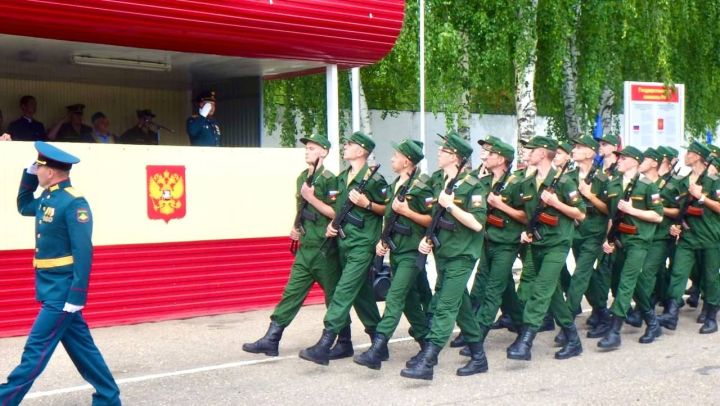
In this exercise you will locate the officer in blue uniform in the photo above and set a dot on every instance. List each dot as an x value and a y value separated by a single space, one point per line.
63 256
203 129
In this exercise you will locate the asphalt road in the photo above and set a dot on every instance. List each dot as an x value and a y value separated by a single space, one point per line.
199 361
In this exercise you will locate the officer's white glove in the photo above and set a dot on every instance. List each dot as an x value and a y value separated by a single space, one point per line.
71 308
5 137
32 168
205 109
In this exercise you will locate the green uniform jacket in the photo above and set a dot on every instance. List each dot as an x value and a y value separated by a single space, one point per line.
595 222
704 230
372 223
470 196
420 199
670 195
510 232
566 192
326 189
63 240
644 196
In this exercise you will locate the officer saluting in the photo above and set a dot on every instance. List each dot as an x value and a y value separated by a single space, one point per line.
203 129
63 256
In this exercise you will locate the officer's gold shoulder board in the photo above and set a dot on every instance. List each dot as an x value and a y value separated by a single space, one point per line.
72 192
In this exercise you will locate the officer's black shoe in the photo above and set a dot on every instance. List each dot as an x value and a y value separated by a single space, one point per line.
710 325
320 352
371 358
612 338
504 321
478 361
268 344
423 369
653 329
343 347
560 339
594 318
573 346
520 350
634 318
603 325
703 314
416 358
694 299
548 324
669 320
459 341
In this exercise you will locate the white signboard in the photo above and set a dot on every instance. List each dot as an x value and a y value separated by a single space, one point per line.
654 115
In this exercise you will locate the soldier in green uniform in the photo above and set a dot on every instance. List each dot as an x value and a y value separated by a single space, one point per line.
555 226
641 214
671 180
357 250
699 238
461 243
307 268
407 231
589 234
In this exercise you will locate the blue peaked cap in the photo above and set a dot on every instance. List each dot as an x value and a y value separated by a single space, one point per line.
54 157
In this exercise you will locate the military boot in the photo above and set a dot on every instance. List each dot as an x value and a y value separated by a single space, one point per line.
612 338
268 344
520 350
694 298
343 347
703 314
573 346
634 318
478 361
504 321
466 351
320 352
384 351
653 330
710 325
459 341
412 362
602 326
593 319
560 338
669 320
548 323
372 357
423 369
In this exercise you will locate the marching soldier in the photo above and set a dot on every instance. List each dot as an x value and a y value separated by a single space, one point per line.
555 226
361 230
699 237
671 181
461 243
320 196
407 231
641 212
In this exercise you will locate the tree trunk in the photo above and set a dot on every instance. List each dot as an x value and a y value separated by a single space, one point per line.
525 59
463 121
572 118
607 101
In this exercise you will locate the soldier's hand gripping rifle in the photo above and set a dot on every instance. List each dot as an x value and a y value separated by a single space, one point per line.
534 223
613 234
687 205
437 218
298 223
342 216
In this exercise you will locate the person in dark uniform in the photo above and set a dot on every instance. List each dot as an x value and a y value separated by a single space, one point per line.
26 128
203 129
144 132
63 259
71 128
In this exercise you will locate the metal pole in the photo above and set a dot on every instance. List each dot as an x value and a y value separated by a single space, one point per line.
423 138
355 82
333 118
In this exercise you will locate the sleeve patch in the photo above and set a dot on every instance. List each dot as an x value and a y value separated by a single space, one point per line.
82 215
477 200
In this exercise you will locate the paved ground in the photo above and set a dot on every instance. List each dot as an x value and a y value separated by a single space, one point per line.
199 362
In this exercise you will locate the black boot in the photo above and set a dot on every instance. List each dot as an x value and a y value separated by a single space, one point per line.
320 352
548 323
412 362
343 347
694 299
423 369
602 326
710 325
560 338
653 330
634 318
669 320
384 351
520 350
478 361
466 351
371 358
612 338
703 314
594 318
459 341
268 344
504 321
573 346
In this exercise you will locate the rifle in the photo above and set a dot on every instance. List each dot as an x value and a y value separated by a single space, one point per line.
502 182
535 219
437 218
298 223
342 216
680 219
376 269
613 234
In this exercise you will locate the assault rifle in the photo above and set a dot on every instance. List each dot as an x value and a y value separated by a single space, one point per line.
613 234
534 222
302 211
680 219
438 219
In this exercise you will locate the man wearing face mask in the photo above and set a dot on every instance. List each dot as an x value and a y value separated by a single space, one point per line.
203 129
